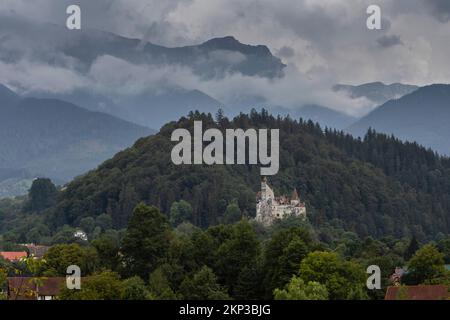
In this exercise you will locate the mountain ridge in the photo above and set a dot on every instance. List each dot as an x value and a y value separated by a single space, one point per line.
57 139
421 116
377 92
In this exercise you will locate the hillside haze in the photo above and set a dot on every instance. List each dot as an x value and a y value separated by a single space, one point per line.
326 117
155 96
56 139
376 92
422 116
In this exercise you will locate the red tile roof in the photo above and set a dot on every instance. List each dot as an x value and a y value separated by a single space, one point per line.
13 256
421 292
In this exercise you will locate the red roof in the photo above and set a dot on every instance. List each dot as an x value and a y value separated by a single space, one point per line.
23 288
422 292
13 256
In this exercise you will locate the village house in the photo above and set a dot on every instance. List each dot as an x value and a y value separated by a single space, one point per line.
36 251
28 288
14 256
420 292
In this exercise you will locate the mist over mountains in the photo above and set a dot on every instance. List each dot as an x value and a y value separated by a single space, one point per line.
85 95
56 139
129 78
376 92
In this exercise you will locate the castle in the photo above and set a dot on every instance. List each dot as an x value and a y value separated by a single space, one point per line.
270 208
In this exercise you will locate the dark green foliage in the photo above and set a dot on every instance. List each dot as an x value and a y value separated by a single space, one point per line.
108 251
296 289
146 241
160 287
426 265
236 254
103 286
344 280
203 286
59 257
444 247
232 261
42 195
377 186
179 212
283 255
134 289
232 214
412 248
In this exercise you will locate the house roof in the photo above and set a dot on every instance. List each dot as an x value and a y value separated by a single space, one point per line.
37 251
421 292
24 288
13 256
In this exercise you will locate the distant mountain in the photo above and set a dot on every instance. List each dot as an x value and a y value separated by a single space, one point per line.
422 116
14 182
213 58
7 96
376 92
326 117
155 110
56 139
154 103
146 109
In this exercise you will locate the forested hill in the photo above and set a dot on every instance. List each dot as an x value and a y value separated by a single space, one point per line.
378 186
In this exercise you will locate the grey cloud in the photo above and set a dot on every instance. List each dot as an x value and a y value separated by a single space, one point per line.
440 9
286 52
327 41
387 41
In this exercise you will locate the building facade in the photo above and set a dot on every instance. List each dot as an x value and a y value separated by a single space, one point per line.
270 208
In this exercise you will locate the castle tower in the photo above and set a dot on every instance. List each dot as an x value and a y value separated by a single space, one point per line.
266 191
295 199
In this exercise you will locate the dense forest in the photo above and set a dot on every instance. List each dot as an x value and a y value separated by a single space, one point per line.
374 187
377 186
152 260
159 231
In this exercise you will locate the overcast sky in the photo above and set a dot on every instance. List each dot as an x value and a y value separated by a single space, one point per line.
324 40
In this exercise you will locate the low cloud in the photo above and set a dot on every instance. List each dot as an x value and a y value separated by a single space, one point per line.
286 52
389 41
440 9
323 43
27 77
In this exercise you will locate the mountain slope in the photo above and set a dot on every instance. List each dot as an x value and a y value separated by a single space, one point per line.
376 92
53 138
7 96
154 84
213 58
146 109
363 186
325 117
421 116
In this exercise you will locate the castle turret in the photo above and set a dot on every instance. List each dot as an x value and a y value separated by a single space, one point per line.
295 199
266 191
